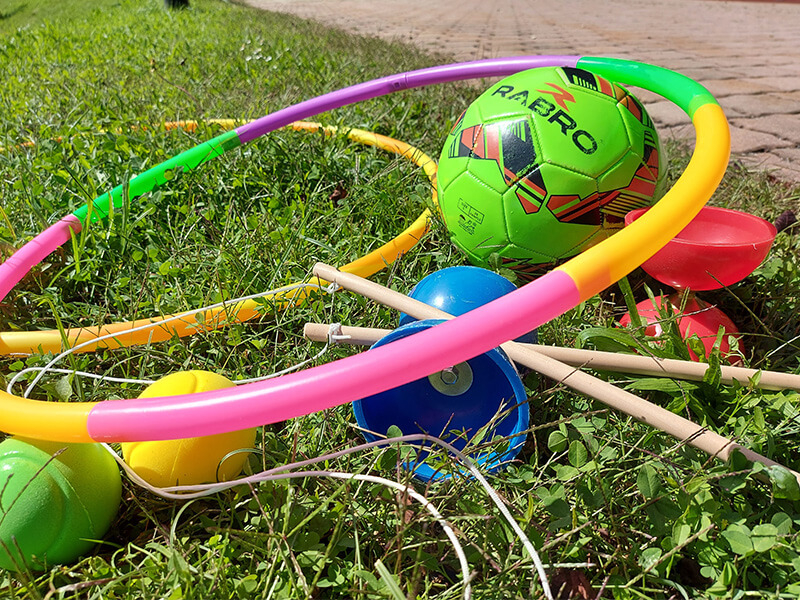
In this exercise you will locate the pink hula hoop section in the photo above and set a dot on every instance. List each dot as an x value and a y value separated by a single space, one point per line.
348 379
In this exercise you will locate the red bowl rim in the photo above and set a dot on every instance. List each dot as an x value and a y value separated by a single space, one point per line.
631 216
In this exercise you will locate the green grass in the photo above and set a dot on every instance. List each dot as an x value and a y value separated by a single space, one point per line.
613 503
23 13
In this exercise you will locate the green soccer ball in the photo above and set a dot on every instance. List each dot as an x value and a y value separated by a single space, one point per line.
545 164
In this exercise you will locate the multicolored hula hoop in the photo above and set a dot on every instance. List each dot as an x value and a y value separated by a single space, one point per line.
413 357
159 329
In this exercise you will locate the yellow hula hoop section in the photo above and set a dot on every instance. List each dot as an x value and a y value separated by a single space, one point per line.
56 421
151 330
606 263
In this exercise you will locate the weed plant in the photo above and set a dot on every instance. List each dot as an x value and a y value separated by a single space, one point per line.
616 508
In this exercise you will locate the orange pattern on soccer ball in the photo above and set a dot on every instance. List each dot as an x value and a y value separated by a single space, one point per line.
545 164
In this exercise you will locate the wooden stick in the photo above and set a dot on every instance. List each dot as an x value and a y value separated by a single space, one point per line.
601 361
640 409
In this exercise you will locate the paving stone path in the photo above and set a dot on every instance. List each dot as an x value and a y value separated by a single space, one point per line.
746 53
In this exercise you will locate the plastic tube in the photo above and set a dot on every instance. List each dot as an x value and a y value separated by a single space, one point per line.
451 342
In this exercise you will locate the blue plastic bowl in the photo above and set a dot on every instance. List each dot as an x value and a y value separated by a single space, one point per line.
439 406
457 290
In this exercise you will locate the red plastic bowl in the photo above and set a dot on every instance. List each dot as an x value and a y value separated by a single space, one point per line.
718 248
698 318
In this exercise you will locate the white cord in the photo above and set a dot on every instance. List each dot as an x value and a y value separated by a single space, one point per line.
49 366
334 334
43 370
301 363
457 547
14 379
188 492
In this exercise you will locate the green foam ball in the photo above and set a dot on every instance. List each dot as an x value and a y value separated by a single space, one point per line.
54 512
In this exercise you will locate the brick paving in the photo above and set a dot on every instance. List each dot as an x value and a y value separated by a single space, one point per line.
746 53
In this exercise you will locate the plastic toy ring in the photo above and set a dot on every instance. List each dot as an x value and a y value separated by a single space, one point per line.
426 352
128 333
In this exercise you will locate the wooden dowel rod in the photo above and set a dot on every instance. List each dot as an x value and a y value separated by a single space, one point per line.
640 409
601 361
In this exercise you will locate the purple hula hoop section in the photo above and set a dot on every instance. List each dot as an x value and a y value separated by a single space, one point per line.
32 253
493 67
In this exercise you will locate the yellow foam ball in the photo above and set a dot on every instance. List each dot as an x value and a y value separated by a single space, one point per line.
193 460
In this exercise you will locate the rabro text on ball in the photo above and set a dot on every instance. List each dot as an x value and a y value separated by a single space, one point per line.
582 139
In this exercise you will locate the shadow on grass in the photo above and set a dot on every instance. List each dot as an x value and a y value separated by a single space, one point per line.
7 14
